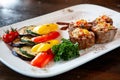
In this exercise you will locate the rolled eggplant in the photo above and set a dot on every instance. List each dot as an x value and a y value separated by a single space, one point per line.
83 24
103 18
84 37
104 32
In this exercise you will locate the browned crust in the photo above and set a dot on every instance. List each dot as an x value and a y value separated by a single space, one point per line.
83 42
104 37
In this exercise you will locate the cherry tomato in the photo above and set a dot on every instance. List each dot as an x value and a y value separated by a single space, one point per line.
9 36
14 33
42 59
46 37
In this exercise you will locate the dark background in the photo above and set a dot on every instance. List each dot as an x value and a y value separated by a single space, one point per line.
106 67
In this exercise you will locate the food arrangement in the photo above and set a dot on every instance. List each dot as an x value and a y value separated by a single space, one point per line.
42 44
104 29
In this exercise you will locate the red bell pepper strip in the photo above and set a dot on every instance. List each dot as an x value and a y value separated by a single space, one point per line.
42 59
46 37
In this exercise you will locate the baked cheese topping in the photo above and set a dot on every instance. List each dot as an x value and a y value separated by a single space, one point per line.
78 32
103 26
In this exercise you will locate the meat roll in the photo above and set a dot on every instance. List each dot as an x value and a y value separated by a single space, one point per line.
103 18
84 37
104 32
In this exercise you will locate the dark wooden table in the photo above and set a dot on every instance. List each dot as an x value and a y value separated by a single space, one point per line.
106 67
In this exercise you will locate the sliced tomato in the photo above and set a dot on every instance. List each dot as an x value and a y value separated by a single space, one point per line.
42 59
46 37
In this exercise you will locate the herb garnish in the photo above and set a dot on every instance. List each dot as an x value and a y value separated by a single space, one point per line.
65 50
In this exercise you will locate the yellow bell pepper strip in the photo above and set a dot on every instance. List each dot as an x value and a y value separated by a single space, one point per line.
42 59
44 46
46 37
45 29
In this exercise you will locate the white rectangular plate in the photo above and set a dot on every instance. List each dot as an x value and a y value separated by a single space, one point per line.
83 11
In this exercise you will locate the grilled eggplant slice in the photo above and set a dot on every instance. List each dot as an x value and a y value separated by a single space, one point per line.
16 51
27 40
32 33
22 31
17 43
27 31
24 41
24 52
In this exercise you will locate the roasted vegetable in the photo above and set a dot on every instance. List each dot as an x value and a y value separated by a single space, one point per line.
42 59
45 29
46 37
27 40
26 53
44 46
10 35
65 50
27 31
22 54
18 42
30 32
